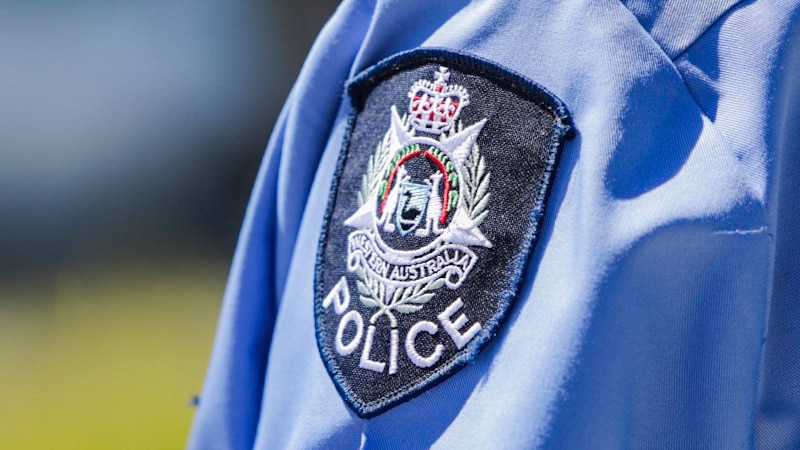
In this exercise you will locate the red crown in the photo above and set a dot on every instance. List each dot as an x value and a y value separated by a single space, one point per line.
436 105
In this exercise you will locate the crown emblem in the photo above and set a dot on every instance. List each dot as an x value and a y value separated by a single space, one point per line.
436 105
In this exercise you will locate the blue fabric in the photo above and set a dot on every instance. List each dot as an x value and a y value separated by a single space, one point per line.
660 307
676 24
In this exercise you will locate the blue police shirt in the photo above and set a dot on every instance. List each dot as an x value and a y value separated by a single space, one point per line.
659 306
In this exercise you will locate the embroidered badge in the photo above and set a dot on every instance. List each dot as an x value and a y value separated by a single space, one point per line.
434 211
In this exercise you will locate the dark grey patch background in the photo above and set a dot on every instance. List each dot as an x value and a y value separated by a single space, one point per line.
516 142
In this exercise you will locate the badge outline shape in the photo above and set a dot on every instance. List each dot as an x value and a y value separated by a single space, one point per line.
359 89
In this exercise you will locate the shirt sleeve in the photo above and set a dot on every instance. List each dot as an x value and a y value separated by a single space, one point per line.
228 412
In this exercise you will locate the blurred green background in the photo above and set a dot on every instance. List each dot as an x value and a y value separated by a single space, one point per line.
130 135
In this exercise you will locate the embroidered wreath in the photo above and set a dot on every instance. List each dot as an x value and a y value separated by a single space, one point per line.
476 181
403 300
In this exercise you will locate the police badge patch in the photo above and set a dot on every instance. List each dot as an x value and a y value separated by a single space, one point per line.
434 211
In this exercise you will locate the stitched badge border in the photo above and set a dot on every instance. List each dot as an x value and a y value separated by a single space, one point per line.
359 90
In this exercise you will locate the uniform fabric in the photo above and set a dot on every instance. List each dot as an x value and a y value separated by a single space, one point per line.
659 309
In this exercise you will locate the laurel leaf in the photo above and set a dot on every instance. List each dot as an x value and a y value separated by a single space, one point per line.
481 205
422 299
480 218
482 188
467 196
435 284
369 302
371 178
453 179
405 309
466 179
398 294
453 200
362 288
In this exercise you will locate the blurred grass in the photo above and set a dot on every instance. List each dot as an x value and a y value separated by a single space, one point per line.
106 358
